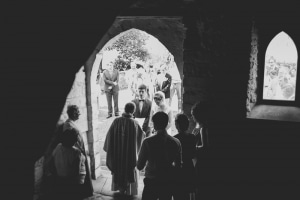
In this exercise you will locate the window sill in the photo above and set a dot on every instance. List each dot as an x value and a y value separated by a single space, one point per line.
275 112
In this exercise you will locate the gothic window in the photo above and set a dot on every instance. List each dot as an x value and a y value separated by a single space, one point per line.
280 69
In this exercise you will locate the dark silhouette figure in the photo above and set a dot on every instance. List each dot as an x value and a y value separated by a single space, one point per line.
161 154
186 182
68 168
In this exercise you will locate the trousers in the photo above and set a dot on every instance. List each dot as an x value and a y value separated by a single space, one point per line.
109 96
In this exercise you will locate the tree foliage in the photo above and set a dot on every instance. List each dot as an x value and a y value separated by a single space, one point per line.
131 46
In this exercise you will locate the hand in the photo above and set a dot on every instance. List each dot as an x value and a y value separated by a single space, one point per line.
115 83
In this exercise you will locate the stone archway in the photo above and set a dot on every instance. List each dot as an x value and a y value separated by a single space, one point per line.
158 27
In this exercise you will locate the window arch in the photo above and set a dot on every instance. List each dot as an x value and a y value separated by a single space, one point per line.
280 69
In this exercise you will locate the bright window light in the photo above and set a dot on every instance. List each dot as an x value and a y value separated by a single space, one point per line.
280 73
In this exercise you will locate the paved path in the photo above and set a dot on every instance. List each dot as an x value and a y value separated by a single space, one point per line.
102 188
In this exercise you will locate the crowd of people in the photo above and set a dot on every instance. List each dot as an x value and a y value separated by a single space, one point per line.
138 139
164 77
169 162
280 81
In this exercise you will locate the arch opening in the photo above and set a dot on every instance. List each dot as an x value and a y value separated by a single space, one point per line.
136 49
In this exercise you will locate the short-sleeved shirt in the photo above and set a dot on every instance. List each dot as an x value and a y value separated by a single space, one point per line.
158 153
188 144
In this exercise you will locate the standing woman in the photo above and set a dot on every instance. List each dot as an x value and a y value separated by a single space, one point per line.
186 182
161 105
73 114
200 113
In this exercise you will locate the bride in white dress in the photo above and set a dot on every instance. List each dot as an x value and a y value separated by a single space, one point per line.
160 105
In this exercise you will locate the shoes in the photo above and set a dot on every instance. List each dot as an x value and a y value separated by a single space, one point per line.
117 115
109 116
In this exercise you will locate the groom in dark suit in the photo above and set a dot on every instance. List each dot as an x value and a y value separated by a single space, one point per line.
143 107
111 87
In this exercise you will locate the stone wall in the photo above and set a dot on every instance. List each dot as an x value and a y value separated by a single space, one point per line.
38 178
202 54
77 96
95 128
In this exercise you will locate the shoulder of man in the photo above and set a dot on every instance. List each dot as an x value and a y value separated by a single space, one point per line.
134 100
149 101
175 140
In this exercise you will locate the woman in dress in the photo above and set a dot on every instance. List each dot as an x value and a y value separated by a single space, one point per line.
200 114
161 105
185 188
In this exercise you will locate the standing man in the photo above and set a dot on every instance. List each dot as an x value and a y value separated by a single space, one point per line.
111 80
161 154
122 144
73 115
143 108
166 84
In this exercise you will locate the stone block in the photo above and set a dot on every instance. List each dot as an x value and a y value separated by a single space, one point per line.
84 137
38 177
96 147
96 134
97 160
98 172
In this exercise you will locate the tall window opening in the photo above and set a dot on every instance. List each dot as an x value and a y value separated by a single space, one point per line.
280 69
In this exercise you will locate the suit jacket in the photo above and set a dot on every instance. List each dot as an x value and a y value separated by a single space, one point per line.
145 112
166 85
109 79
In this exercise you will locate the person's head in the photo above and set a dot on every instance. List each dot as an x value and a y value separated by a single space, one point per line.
164 69
293 72
160 120
200 112
272 63
152 70
288 92
159 98
142 91
182 122
129 107
69 137
133 65
73 112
